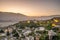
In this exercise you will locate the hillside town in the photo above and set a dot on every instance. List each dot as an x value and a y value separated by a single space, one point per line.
32 30
29 19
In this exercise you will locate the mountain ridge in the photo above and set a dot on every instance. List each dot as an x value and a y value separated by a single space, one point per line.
11 16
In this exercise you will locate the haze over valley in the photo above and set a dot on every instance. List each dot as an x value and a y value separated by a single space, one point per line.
9 18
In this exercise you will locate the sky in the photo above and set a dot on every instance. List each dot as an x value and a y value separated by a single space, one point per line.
31 7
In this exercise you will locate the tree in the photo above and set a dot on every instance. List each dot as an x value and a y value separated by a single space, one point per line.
15 34
49 27
1 31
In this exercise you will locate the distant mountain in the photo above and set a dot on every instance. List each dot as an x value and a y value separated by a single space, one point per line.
44 17
11 17
15 17
55 15
48 17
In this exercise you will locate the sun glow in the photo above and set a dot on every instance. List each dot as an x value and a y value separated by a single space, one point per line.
16 10
12 10
31 8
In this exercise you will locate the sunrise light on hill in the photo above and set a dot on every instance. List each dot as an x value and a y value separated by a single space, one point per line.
31 8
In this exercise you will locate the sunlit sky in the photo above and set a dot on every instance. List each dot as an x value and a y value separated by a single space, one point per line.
31 7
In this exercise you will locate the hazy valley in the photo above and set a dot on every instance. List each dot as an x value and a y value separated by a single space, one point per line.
9 18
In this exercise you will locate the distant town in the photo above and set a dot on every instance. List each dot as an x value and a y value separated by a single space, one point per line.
29 19
48 29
